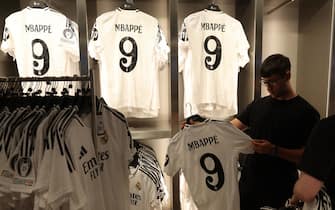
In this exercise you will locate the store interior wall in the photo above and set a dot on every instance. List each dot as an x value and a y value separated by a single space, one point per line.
301 30
280 34
246 80
314 52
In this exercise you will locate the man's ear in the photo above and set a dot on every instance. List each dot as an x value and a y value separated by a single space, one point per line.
288 75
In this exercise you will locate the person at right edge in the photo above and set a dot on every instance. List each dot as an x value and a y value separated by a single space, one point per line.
317 167
279 125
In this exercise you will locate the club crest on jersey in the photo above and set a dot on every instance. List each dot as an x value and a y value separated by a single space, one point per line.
138 186
24 166
104 139
5 34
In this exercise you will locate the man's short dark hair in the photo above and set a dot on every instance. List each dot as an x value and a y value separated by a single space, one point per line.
277 64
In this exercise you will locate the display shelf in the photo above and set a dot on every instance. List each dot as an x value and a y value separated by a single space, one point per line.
149 129
150 133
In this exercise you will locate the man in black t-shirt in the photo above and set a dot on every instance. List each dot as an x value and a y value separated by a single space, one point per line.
280 125
318 163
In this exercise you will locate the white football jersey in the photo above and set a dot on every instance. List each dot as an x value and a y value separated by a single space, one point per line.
212 48
208 154
130 48
113 153
43 42
142 191
322 201
186 200
87 164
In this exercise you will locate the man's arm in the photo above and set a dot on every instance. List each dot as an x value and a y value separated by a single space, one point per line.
263 146
238 124
293 155
306 188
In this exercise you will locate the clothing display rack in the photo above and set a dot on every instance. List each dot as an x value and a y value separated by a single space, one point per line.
63 79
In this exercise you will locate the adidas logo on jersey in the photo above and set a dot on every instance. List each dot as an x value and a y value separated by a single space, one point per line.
83 152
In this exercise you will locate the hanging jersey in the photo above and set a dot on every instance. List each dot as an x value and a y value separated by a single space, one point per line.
148 165
208 154
142 192
43 159
87 164
113 152
186 200
212 48
18 172
43 42
322 201
61 185
130 48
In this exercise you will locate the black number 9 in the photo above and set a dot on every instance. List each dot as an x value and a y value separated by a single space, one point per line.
43 56
216 170
217 52
132 54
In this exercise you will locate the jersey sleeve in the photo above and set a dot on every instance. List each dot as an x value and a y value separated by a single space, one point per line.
95 46
242 46
244 116
242 142
162 49
69 40
183 47
318 159
173 156
155 203
7 44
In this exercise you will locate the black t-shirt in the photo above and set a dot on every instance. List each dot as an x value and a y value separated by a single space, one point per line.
319 157
286 123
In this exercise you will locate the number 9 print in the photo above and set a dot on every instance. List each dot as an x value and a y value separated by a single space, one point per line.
216 170
132 54
40 52
217 52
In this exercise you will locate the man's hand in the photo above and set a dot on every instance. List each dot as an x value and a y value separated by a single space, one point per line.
263 146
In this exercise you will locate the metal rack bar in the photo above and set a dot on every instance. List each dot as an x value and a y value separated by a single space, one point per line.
258 25
173 13
61 79
83 36
41 79
331 75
